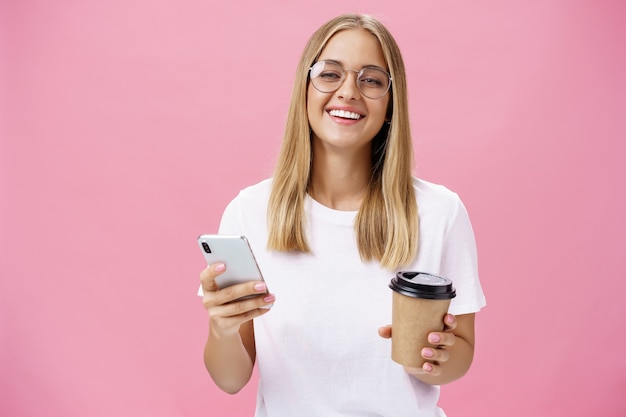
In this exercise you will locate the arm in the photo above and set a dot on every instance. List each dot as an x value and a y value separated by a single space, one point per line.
229 353
454 354
229 359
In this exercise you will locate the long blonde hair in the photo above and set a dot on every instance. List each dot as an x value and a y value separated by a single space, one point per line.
387 223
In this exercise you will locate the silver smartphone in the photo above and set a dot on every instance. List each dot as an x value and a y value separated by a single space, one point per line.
235 252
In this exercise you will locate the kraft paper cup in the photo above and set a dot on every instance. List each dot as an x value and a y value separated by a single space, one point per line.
420 302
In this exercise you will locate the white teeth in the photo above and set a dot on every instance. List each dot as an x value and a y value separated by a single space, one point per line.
345 114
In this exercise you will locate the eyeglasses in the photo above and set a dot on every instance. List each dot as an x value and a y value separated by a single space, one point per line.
327 77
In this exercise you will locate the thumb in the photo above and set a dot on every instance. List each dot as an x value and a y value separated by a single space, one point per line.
385 331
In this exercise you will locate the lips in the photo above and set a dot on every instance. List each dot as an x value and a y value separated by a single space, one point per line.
344 114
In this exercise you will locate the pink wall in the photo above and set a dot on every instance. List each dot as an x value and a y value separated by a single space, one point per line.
128 125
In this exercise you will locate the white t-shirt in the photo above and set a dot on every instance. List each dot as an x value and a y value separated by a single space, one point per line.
318 348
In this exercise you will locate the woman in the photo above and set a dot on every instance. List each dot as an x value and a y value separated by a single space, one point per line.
341 214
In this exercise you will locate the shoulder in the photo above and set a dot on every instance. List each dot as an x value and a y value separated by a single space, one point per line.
247 211
436 197
257 192
252 199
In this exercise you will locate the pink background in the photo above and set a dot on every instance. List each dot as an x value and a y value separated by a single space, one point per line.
128 125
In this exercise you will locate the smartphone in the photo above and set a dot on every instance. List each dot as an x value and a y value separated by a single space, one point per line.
236 253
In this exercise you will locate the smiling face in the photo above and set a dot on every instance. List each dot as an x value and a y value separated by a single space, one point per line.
346 119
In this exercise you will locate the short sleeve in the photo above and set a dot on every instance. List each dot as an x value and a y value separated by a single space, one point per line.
459 260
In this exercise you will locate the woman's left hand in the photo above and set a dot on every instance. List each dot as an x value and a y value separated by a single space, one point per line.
434 356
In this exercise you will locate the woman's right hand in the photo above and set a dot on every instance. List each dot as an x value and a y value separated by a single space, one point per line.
226 315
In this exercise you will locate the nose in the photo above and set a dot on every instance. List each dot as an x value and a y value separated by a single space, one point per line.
349 89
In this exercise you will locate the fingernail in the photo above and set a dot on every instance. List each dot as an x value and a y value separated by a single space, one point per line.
269 299
450 319
434 338
219 267
427 367
259 286
428 353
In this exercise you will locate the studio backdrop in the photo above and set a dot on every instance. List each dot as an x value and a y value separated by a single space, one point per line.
127 126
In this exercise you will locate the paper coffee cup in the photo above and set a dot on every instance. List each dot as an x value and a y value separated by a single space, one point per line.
420 302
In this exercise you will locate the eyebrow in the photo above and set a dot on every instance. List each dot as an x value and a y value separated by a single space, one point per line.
364 66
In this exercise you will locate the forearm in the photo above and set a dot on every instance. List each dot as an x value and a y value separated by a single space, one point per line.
461 356
228 362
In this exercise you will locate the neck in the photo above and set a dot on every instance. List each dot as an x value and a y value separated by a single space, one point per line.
340 181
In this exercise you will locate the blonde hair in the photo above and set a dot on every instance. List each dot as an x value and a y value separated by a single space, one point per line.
386 225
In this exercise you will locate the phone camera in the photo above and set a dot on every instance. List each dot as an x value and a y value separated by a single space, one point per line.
206 247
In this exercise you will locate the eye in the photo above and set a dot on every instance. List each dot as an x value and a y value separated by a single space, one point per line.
327 72
370 82
373 78
329 75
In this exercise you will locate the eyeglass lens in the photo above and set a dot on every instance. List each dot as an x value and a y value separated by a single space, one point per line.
327 76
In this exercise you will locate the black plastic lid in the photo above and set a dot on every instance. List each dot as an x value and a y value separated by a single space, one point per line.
422 285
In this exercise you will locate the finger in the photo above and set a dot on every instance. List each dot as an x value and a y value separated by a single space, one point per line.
450 322
441 338
208 275
385 331
233 293
237 308
236 292
227 318
427 368
435 355
431 369
225 325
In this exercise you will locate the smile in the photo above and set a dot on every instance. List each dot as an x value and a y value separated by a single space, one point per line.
345 114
